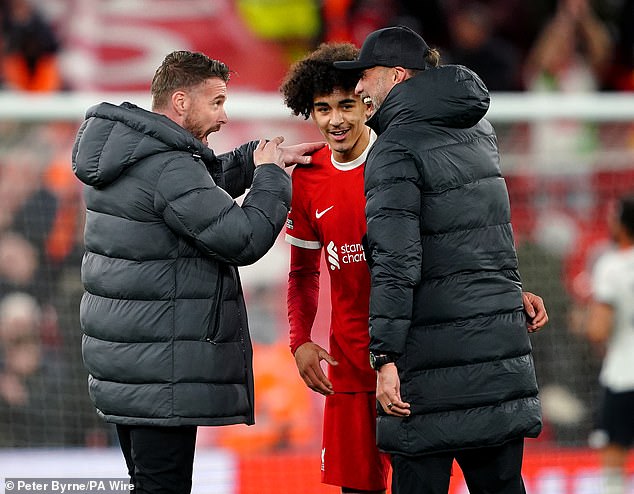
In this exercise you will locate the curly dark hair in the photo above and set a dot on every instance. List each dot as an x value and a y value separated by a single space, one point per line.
315 75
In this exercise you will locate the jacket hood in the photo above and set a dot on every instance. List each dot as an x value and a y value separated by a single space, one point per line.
113 138
447 96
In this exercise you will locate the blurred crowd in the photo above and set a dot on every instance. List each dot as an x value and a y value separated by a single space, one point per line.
565 45
514 45
42 384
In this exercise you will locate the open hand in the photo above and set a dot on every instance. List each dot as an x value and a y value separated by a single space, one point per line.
308 358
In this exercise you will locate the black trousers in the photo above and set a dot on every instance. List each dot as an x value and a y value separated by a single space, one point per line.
495 470
160 460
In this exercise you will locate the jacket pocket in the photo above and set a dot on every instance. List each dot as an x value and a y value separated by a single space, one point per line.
216 308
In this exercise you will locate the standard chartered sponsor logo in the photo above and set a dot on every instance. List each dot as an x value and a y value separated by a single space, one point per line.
333 257
346 254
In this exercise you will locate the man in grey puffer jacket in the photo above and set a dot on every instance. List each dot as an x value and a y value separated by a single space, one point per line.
447 330
166 341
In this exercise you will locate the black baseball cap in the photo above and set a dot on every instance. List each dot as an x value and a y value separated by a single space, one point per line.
397 46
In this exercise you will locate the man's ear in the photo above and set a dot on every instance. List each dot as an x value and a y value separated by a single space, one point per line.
180 102
399 75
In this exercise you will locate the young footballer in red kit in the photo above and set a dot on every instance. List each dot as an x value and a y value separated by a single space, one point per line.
328 214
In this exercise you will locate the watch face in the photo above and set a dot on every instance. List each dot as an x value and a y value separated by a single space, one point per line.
376 361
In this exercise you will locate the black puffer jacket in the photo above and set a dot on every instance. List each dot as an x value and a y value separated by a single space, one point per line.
165 329
446 292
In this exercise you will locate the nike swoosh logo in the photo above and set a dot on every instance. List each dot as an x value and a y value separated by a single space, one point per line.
319 214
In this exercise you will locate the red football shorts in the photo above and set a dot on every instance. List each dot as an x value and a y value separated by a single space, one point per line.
349 456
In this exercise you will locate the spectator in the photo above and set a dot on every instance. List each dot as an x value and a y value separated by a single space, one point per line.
474 44
570 55
31 50
21 350
622 76
28 215
572 51
31 381
29 207
19 264
351 21
429 18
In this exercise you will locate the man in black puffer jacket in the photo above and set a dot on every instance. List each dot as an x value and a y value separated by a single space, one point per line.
447 330
166 341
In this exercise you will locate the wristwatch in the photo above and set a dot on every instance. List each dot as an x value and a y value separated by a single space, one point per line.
379 360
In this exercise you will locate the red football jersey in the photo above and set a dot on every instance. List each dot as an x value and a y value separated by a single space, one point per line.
328 212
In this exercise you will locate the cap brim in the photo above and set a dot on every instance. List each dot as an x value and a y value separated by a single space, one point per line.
353 65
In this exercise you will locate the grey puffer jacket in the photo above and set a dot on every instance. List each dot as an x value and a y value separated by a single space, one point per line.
446 291
165 338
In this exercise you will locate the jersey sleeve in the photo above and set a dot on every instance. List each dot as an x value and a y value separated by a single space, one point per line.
299 228
303 294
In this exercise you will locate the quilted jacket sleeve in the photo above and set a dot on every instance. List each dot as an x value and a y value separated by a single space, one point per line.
194 206
237 169
393 217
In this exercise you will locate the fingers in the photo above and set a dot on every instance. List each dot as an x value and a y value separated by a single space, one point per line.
268 152
273 144
316 380
538 322
396 407
528 306
293 158
392 403
300 153
316 146
324 355
308 150
536 310
388 392
308 357
319 380
308 147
